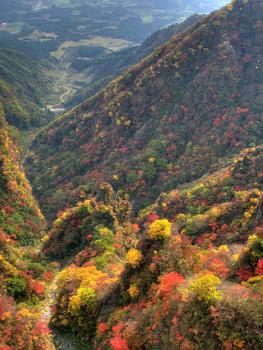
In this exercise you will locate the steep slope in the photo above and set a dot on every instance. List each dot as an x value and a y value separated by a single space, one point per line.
24 277
167 121
180 287
20 216
89 228
23 89
107 68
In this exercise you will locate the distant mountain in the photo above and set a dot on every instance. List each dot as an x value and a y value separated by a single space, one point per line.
167 121
111 66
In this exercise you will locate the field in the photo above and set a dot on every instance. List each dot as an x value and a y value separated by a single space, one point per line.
108 43
147 19
14 27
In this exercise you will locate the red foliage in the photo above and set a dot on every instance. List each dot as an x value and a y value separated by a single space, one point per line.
244 273
103 327
9 209
48 276
119 343
200 241
117 245
117 329
77 260
169 281
152 218
136 227
259 267
42 327
37 287
218 267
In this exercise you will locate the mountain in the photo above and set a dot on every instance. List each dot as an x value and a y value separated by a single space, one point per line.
153 190
128 283
157 185
109 67
165 122
20 217
104 214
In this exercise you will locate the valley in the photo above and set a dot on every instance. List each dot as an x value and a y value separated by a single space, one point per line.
58 30
131 218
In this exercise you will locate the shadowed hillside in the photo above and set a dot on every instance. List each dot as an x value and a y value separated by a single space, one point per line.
23 89
24 276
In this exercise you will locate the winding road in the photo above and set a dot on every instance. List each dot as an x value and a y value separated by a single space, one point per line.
59 106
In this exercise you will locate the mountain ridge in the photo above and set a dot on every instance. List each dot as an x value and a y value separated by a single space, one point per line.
148 114
153 192
115 64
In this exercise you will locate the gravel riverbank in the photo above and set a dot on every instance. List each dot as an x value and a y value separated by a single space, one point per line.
62 344
59 341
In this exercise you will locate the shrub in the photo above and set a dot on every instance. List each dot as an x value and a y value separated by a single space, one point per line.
160 229
16 286
86 297
205 288
133 291
134 257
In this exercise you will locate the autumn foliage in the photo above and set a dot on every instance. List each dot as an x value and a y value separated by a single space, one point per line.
143 268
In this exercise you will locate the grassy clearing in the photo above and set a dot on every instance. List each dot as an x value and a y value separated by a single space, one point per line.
62 2
107 43
18 24
147 19
44 39
14 27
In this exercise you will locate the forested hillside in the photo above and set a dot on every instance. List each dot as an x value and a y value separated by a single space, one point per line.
109 67
73 34
152 192
23 274
186 274
167 121
157 186
23 89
